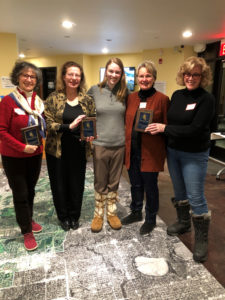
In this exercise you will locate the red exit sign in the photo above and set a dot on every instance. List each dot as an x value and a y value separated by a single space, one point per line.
222 49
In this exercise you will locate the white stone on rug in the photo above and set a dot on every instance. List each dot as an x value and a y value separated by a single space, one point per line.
182 251
151 266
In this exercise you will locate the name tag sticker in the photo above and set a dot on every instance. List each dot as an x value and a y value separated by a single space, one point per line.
190 106
19 111
142 105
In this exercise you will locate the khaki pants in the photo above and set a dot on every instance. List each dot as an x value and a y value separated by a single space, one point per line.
108 165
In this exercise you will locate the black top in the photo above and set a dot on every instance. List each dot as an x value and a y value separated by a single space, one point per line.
189 119
70 113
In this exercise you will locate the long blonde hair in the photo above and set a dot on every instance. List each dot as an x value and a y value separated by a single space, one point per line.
121 85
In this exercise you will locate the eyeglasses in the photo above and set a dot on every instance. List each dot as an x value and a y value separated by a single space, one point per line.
194 75
32 77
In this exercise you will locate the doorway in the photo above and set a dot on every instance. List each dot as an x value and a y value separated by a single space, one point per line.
48 82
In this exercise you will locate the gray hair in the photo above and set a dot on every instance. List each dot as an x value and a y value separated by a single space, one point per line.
23 65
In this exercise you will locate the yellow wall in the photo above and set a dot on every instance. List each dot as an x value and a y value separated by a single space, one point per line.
56 61
167 71
172 58
8 56
99 61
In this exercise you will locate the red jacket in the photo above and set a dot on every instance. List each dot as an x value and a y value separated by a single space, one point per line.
12 119
153 150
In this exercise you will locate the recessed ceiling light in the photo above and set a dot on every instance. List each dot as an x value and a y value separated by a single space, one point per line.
67 24
187 34
21 55
105 50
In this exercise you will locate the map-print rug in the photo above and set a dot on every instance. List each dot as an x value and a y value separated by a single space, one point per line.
84 265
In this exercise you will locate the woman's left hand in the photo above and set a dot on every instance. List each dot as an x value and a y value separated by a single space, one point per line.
155 128
76 121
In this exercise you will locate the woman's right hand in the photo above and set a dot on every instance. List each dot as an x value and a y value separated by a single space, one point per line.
76 121
155 128
30 149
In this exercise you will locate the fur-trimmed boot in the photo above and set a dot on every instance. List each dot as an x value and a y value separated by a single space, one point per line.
183 223
112 218
97 221
201 226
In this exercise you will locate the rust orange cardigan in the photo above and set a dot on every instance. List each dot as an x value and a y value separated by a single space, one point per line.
153 149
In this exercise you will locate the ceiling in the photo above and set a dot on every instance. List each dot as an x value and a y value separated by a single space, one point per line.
131 25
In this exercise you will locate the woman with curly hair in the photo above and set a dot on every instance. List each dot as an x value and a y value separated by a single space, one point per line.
188 133
22 159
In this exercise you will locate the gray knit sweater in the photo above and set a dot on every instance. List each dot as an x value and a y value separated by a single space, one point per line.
110 117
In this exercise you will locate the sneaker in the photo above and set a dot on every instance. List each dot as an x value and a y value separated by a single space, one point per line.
147 228
29 241
36 227
134 216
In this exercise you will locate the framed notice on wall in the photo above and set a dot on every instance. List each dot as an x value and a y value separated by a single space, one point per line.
6 83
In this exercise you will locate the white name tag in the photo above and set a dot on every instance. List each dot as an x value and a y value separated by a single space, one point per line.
190 106
142 105
19 111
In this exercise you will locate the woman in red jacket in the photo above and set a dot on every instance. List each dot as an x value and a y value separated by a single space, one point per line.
145 154
21 161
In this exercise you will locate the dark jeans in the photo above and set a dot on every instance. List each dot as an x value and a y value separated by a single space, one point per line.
143 182
67 176
22 174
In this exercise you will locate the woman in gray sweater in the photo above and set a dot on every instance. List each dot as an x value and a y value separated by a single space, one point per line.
110 97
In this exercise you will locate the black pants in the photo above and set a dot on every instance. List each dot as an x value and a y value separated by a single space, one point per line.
22 174
67 176
143 182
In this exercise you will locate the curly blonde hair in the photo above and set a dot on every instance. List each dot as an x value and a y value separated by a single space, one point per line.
187 67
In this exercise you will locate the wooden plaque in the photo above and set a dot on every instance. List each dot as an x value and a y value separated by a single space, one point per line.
143 118
88 128
31 135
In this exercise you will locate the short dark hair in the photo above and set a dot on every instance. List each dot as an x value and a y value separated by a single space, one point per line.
65 66
18 69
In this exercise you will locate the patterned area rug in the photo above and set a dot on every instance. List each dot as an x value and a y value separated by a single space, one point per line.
83 265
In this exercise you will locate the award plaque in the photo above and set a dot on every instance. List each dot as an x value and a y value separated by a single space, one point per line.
88 128
143 118
31 135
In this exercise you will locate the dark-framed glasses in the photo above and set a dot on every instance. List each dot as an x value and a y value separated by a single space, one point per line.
194 75
27 76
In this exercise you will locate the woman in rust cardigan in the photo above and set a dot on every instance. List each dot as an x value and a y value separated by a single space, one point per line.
145 153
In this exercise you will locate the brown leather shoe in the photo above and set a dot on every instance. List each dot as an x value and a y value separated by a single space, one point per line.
96 224
114 222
